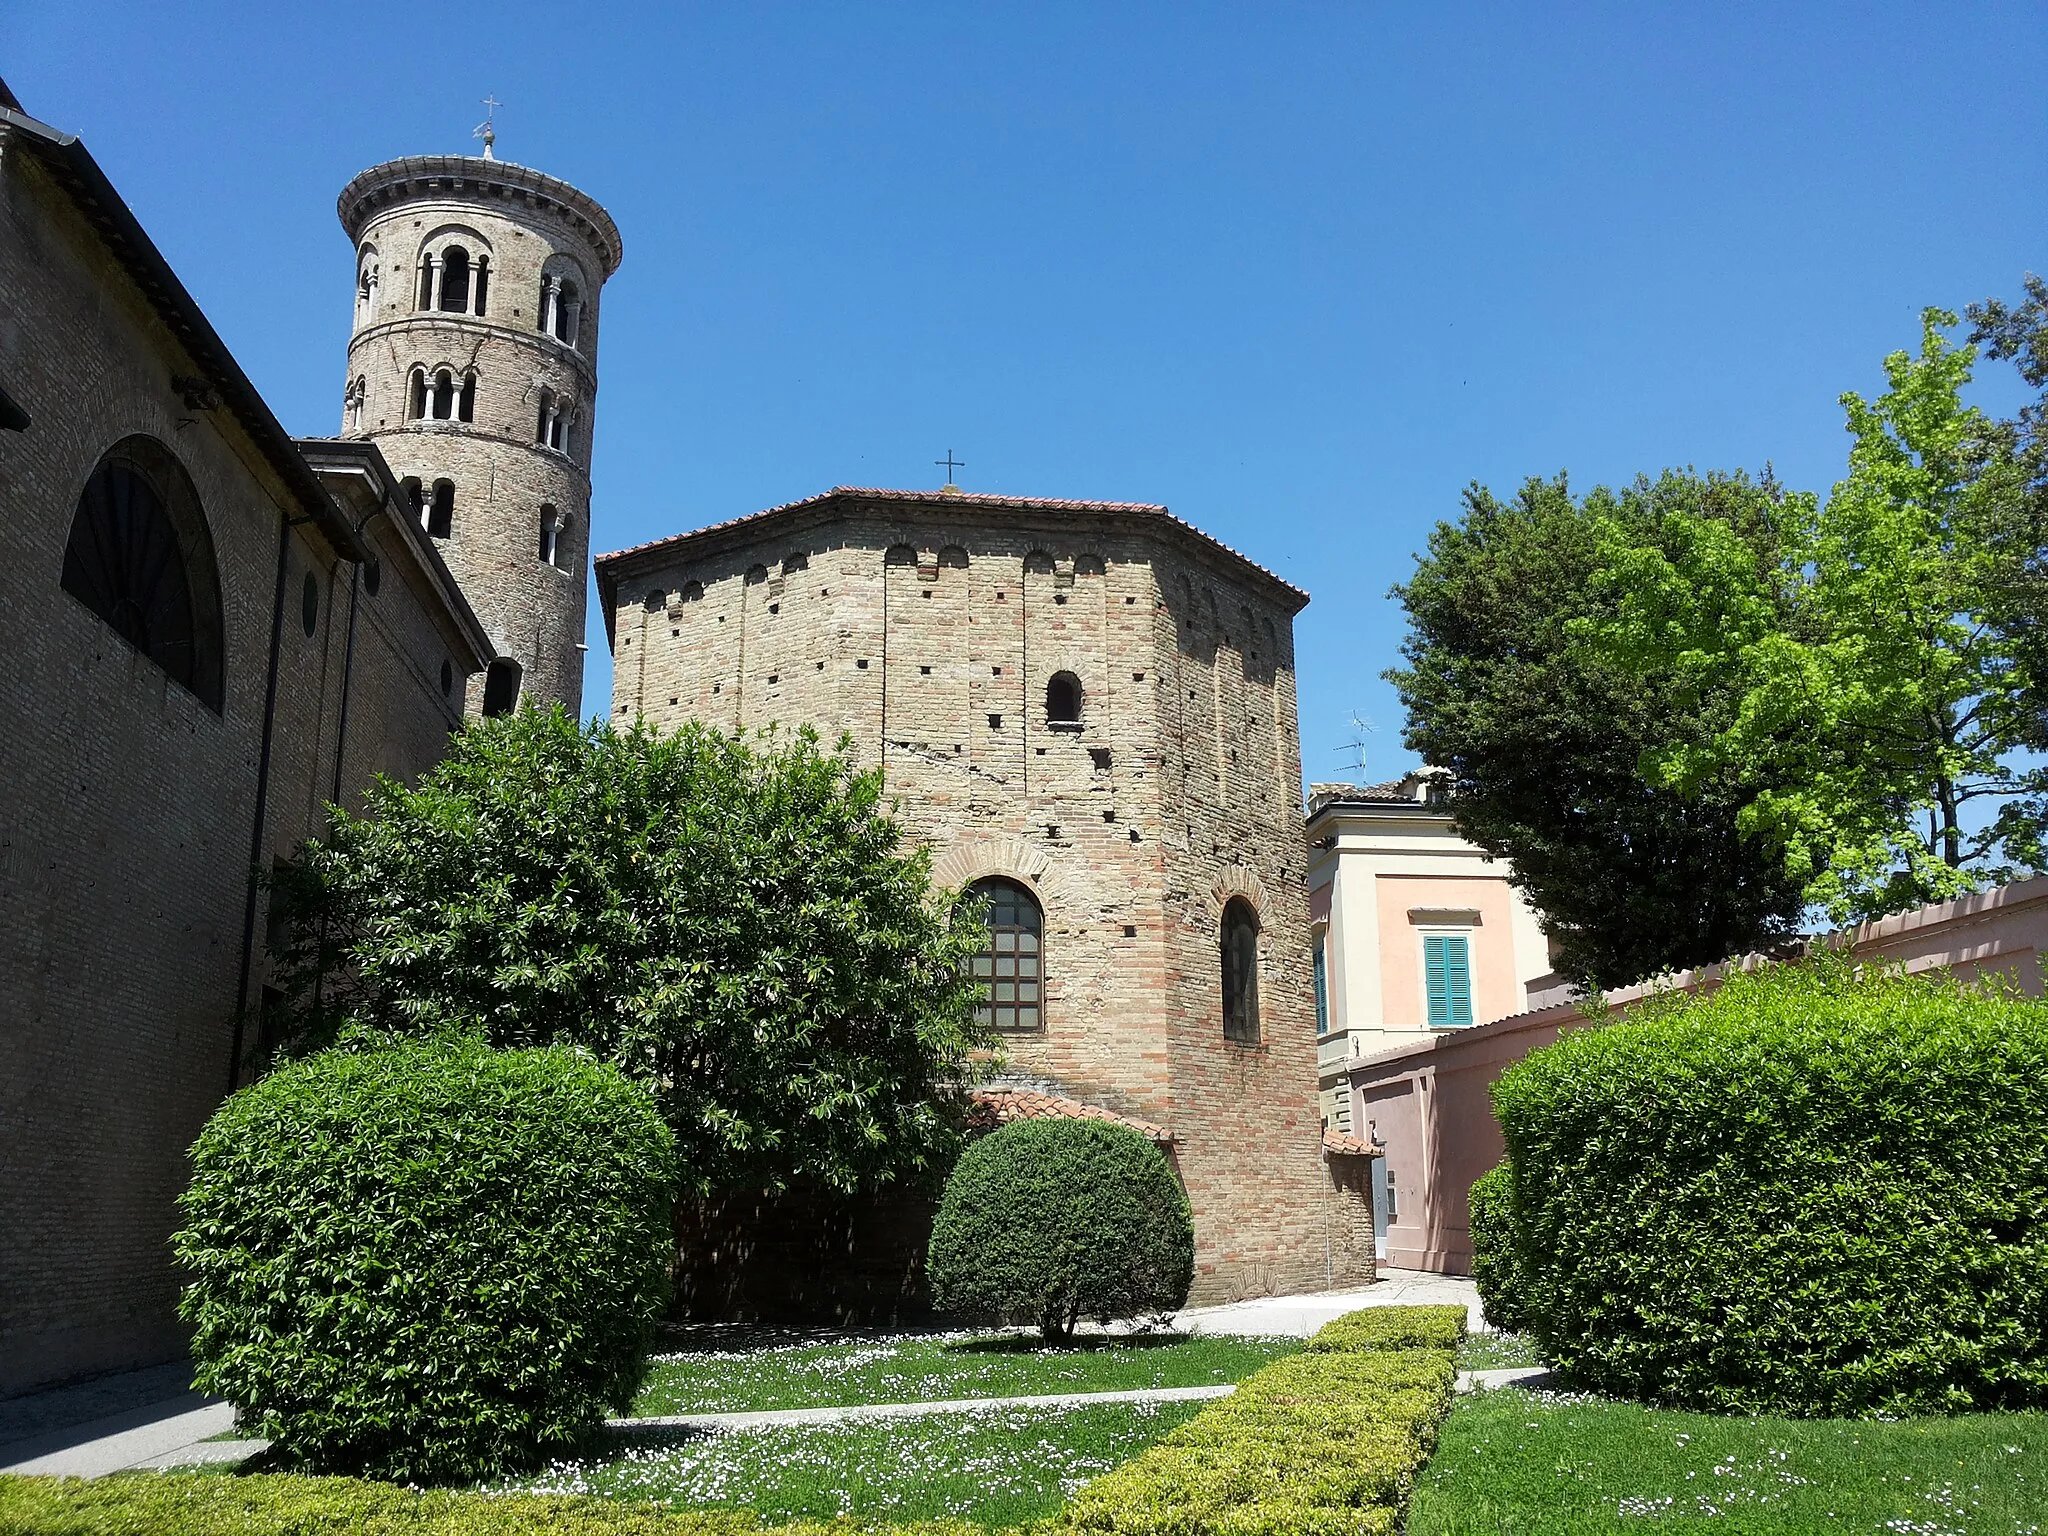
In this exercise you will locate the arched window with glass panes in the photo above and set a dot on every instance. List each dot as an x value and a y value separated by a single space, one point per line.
1240 972
1009 969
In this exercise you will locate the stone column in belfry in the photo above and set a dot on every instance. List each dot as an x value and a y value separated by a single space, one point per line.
473 366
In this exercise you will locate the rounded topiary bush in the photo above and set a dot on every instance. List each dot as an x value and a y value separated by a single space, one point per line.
431 1262
1050 1221
1816 1190
1496 1266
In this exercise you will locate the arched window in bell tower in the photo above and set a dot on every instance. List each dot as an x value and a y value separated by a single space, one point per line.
416 395
465 405
444 395
480 286
441 510
454 297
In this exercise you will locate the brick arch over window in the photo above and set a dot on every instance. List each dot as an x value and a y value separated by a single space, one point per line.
1239 881
140 555
981 857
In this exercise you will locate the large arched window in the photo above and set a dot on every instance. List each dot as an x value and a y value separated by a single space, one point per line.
1240 972
550 535
140 557
1063 699
1009 969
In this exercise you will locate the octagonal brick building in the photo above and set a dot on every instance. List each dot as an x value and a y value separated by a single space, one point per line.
473 366
1087 709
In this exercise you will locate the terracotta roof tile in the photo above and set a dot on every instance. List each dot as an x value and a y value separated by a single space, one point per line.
960 498
995 1107
1337 1144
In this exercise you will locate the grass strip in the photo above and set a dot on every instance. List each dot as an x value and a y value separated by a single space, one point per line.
1559 1464
996 1466
934 1369
1324 1443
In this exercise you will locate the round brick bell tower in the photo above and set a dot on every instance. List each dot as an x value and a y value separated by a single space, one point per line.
473 366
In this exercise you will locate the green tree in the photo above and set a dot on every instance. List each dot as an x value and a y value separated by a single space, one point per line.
2012 464
1879 700
737 925
1543 734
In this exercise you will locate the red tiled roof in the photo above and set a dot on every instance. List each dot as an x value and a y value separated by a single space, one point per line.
995 1107
1337 1144
966 499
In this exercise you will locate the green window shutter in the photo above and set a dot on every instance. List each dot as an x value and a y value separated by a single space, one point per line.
1436 973
1458 966
1447 977
1322 990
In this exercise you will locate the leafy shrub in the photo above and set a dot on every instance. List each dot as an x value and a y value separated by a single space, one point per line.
273 1505
1816 1190
1325 1443
1496 1266
429 1262
1055 1220
1377 1328
737 925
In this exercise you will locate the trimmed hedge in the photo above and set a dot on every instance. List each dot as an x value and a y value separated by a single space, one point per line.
432 1262
1817 1190
277 1505
1496 1266
1375 1328
1050 1221
1324 1443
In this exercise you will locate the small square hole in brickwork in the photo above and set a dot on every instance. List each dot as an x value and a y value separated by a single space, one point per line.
1041 751
622 709
999 597
674 634
721 618
1051 830
674 699
1137 677
774 677
824 591
821 666
995 671
1106 815
1130 930
718 687
924 671
924 594
1134 834
1059 599
775 607
1129 601
862 663
995 722
1100 757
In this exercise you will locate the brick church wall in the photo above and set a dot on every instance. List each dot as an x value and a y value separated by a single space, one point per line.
926 629
125 830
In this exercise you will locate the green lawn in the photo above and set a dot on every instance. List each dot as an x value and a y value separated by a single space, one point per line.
937 1367
1519 1463
994 1466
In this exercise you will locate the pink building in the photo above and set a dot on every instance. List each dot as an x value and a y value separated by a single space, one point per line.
1426 1100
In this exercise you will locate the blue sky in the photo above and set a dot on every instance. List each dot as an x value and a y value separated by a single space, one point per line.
1300 271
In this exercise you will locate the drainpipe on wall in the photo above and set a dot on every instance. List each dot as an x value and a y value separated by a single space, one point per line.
286 522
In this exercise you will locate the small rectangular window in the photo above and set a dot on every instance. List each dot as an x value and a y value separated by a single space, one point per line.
1447 973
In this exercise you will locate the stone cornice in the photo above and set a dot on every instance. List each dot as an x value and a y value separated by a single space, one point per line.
470 179
543 345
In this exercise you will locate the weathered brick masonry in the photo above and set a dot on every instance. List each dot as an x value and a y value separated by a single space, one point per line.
523 339
927 628
128 818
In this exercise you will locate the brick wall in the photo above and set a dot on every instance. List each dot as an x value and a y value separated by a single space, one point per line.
927 629
125 832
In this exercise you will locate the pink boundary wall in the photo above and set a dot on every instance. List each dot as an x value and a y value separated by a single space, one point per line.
1428 1102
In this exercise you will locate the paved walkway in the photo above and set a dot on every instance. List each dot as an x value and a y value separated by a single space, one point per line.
69 1432
719 1423
1300 1316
